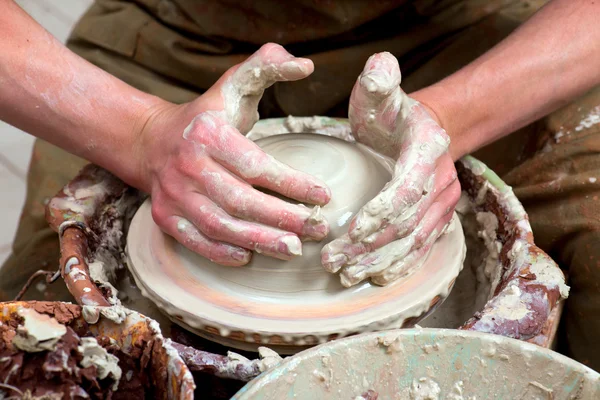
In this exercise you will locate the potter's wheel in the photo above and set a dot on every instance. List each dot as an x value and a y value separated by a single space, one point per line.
293 304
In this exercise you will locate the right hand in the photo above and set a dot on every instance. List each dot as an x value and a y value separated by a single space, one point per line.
392 234
200 170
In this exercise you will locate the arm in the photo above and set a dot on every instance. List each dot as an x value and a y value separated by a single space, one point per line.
544 64
547 62
50 92
192 158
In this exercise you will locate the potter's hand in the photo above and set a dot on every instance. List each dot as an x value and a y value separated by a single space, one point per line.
200 173
393 233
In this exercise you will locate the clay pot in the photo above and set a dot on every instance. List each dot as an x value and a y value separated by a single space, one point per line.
148 362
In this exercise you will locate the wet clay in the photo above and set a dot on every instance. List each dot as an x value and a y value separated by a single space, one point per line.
105 360
292 303
40 356
38 332
525 283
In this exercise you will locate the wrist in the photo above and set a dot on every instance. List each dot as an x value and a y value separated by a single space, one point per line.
149 130
441 109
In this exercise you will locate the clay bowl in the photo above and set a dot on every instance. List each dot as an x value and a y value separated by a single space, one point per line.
139 338
425 364
291 305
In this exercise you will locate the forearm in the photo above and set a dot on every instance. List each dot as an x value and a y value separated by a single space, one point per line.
546 63
50 92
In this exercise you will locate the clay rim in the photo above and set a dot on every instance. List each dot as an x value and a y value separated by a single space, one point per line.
331 324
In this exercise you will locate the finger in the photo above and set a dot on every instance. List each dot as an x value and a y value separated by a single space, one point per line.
218 252
414 177
269 64
376 97
337 253
378 261
343 251
248 161
406 266
446 192
435 220
374 215
445 177
375 262
399 196
243 90
415 259
241 200
215 223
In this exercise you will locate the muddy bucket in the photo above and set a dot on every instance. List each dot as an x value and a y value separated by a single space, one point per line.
425 364
48 350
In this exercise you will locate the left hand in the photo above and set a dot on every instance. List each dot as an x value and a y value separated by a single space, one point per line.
393 233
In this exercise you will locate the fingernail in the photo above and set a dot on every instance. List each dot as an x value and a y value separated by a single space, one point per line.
298 68
319 195
241 255
316 226
333 262
315 232
290 244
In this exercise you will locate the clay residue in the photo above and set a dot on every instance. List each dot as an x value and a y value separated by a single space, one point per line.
318 125
63 313
368 395
91 314
99 273
58 373
268 359
391 340
519 300
107 255
107 365
425 389
491 273
60 360
232 366
38 332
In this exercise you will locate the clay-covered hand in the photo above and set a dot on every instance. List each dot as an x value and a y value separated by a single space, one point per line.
393 233
201 170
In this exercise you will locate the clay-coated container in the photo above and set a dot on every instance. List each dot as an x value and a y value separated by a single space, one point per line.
425 364
169 375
